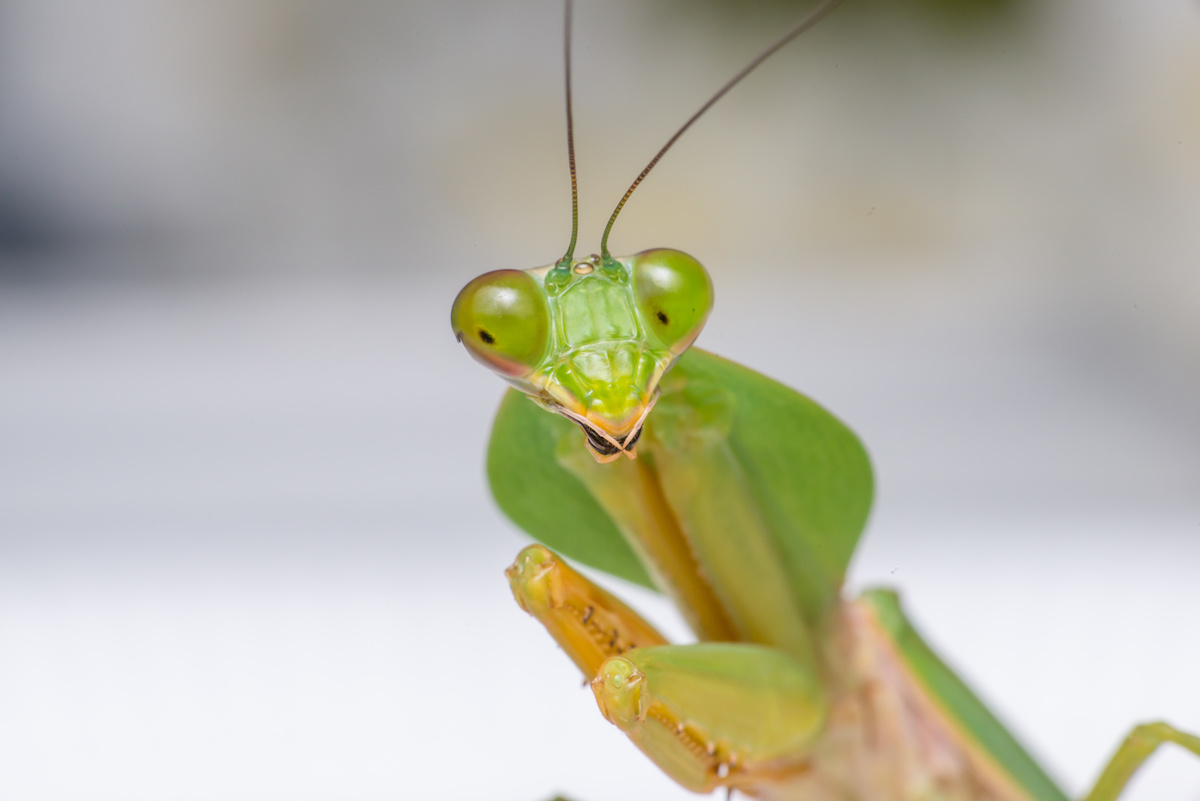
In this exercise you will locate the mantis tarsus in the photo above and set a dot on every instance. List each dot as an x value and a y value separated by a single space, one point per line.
744 505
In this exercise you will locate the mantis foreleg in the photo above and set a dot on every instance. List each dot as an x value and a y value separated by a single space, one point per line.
710 715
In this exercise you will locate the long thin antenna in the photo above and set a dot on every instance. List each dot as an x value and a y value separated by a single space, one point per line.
806 23
566 260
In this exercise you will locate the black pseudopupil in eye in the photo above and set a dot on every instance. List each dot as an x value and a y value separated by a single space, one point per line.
486 337
662 317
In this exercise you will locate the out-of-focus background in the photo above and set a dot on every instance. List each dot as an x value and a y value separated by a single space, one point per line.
246 547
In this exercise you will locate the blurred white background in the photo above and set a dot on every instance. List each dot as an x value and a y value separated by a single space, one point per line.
246 548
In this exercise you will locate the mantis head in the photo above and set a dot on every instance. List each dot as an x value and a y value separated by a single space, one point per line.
588 339
591 339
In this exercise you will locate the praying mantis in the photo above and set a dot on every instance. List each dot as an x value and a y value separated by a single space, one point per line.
742 501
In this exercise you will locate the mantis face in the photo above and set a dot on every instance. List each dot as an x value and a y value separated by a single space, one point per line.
588 339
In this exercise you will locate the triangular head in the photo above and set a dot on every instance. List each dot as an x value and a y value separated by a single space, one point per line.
589 340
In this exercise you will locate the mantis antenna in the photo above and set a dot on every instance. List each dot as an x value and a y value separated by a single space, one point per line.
812 19
565 261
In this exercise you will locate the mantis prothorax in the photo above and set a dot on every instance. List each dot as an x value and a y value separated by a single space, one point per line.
742 501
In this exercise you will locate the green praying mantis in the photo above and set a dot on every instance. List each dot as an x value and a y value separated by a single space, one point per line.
742 501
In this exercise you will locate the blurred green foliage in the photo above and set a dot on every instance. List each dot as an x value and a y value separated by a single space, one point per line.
953 18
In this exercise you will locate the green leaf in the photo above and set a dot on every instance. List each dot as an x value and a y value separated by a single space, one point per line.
809 475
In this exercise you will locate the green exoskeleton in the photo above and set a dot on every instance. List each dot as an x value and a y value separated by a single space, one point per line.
742 501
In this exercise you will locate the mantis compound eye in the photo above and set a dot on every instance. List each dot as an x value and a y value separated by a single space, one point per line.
504 320
673 294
